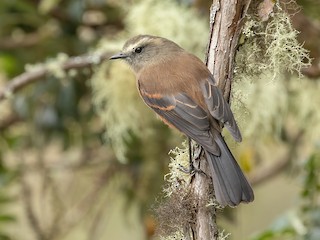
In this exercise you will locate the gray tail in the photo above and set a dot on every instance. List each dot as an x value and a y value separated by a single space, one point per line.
230 185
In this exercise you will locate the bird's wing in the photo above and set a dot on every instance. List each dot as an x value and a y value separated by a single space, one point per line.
181 112
219 108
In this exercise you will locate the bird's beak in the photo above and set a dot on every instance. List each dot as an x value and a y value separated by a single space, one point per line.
119 55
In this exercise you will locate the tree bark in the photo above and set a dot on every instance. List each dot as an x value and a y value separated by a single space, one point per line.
226 22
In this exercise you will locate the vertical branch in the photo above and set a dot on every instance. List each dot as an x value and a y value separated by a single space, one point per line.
226 21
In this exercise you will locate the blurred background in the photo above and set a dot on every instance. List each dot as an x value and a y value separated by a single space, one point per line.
81 157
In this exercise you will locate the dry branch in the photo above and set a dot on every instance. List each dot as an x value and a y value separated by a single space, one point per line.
29 77
226 21
281 164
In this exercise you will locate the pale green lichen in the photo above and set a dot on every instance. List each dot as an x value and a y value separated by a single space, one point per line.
283 49
261 104
178 235
177 176
223 236
117 100
177 211
260 89
271 47
54 66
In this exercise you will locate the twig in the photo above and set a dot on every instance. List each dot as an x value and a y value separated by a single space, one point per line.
33 220
27 78
279 165
8 121
83 207
26 40
64 219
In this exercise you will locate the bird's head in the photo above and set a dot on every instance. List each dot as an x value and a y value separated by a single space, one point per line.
143 50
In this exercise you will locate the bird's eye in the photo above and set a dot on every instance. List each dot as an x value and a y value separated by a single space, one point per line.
138 50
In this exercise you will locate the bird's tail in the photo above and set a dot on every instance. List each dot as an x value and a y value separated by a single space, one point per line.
230 185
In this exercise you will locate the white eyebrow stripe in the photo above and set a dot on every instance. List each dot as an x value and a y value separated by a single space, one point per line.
140 42
131 46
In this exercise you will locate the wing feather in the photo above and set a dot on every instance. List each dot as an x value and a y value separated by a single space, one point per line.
219 108
184 114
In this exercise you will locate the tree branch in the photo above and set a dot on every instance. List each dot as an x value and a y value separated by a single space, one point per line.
29 210
279 165
9 121
26 40
226 21
29 77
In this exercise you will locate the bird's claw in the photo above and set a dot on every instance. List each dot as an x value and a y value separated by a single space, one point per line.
191 170
186 170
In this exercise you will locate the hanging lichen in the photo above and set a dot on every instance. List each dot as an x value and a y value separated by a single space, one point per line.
271 47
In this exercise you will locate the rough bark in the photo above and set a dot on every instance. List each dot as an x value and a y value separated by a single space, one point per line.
226 21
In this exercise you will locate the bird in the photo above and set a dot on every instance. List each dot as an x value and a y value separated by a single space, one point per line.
179 87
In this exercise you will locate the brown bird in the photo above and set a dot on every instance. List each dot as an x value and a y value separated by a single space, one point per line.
181 90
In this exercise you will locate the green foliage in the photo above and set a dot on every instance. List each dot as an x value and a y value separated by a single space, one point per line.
311 187
310 195
7 64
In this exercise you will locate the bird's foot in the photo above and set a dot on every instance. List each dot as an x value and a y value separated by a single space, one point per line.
186 170
191 170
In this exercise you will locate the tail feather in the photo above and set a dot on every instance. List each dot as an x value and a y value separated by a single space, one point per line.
230 185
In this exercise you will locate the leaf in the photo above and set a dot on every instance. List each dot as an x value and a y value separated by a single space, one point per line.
4 237
5 199
6 218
